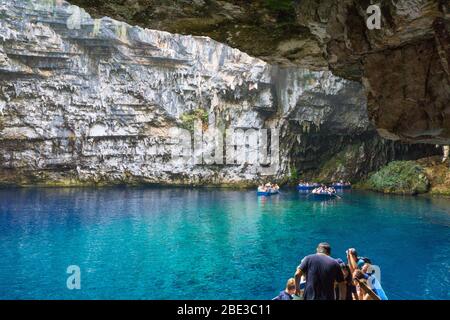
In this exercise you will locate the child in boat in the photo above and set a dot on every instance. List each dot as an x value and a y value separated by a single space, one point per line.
287 293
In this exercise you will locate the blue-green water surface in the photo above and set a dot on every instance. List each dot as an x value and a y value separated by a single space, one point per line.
176 243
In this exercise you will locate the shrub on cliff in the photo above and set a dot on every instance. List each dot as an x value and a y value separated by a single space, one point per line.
188 118
293 178
401 177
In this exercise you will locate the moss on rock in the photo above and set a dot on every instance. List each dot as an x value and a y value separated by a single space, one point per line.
188 118
341 166
399 177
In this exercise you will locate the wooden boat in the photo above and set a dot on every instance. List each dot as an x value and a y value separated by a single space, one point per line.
303 187
342 186
267 193
322 196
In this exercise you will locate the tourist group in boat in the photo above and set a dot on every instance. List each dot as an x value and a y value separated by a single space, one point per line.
268 189
323 189
302 185
317 190
341 185
321 277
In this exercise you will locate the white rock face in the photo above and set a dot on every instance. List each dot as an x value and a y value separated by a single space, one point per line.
85 100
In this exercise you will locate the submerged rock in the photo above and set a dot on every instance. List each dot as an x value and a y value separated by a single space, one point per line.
86 101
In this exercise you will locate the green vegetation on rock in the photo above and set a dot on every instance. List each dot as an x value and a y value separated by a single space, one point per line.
342 165
188 118
294 175
400 177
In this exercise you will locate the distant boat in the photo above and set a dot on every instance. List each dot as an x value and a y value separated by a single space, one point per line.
341 186
322 196
267 193
306 187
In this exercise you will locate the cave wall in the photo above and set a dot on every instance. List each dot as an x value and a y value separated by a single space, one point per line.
404 66
93 101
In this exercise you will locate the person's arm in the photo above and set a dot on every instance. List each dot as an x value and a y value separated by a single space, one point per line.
355 293
368 293
298 276
342 290
302 269
342 284
352 260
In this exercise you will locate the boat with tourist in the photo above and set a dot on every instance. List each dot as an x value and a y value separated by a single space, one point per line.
307 186
268 189
341 185
323 193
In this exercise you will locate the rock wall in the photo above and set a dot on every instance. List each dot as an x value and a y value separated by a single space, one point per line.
268 29
404 66
86 101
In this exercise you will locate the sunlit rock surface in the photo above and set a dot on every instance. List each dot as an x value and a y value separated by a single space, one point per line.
86 101
268 29
404 65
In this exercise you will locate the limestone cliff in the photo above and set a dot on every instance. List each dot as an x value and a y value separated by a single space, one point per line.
86 101
404 66
268 29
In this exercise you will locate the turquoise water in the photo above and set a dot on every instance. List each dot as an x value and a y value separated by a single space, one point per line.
176 243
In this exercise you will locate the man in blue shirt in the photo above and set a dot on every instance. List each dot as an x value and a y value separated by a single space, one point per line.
322 272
